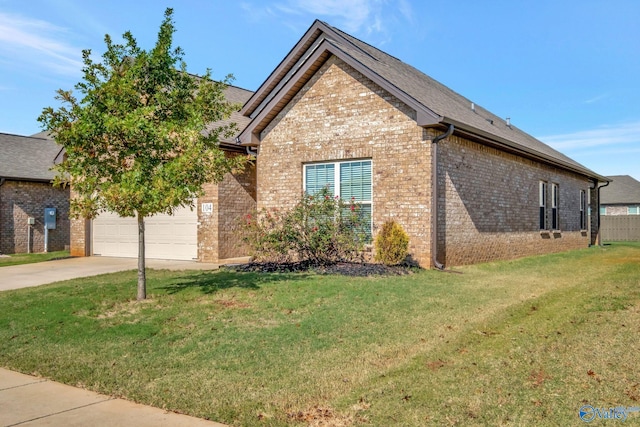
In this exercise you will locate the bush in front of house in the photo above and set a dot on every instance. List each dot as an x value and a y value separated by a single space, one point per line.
320 229
392 244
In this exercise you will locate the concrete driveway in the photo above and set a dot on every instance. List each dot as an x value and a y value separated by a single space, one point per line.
27 275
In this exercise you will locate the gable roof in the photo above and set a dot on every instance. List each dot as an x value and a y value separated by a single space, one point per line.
434 103
234 95
623 189
27 158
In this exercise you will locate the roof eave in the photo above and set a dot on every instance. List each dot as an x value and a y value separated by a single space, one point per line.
283 67
20 178
249 136
502 143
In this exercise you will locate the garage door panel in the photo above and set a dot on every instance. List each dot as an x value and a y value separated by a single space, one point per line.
166 236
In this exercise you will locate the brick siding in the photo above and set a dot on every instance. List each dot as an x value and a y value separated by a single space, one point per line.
340 115
232 199
492 205
20 200
488 198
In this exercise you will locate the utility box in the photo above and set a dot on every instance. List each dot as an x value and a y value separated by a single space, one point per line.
50 218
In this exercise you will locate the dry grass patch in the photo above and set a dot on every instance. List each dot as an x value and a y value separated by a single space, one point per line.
515 343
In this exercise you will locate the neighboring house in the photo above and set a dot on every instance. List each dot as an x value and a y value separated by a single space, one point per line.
206 233
26 191
621 196
339 112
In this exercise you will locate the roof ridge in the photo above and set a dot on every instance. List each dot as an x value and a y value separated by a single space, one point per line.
24 136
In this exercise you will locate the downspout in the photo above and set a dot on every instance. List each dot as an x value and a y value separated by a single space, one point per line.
248 149
434 196
599 235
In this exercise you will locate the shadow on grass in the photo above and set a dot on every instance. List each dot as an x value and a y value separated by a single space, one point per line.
212 282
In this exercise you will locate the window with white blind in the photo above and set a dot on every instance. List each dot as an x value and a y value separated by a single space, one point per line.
350 180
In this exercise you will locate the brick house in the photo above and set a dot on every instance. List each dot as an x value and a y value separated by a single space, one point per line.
621 196
26 191
205 233
339 112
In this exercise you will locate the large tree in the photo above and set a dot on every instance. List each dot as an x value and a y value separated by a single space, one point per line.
135 138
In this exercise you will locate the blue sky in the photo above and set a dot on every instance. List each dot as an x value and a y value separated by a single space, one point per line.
567 72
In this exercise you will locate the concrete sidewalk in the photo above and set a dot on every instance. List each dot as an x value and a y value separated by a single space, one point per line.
27 275
37 402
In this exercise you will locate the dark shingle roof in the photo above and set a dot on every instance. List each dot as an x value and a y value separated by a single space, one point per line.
440 99
623 189
27 158
234 95
437 103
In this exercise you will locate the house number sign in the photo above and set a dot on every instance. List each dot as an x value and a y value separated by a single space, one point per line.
207 208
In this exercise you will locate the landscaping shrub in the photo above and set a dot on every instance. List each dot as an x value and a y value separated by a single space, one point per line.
392 244
320 228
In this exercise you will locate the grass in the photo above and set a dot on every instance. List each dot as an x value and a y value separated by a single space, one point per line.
17 259
524 342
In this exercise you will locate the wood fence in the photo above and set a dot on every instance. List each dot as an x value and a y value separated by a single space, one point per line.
614 228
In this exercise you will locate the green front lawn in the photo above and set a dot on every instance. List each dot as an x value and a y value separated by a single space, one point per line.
17 259
524 342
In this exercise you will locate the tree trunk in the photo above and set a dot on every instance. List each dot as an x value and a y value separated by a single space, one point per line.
142 278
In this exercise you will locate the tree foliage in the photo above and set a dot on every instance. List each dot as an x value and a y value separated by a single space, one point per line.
134 138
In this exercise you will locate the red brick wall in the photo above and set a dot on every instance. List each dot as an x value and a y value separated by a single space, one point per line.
492 205
488 198
232 199
236 199
80 233
20 200
340 115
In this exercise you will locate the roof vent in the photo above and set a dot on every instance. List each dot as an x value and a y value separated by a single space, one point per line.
473 107
508 120
490 121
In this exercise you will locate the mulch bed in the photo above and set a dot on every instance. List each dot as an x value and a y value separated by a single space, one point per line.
355 269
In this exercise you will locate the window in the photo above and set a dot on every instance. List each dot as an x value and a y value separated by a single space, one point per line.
583 210
603 210
555 207
347 180
633 210
543 205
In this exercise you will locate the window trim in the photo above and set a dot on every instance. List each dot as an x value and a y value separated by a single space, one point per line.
555 207
542 199
337 182
583 210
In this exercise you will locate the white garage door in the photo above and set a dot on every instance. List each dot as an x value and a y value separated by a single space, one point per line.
166 236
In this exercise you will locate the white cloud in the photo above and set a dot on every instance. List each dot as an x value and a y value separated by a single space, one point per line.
353 16
596 98
626 133
38 43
